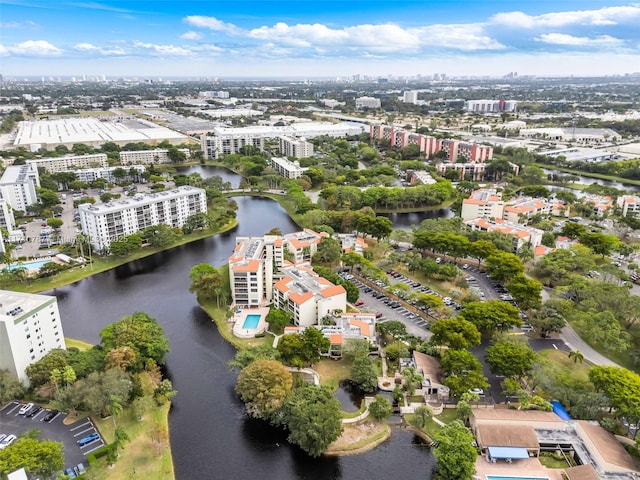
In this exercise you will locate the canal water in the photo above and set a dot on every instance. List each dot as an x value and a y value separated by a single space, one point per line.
211 437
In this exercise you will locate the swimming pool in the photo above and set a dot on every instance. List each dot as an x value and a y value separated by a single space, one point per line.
35 265
501 477
251 322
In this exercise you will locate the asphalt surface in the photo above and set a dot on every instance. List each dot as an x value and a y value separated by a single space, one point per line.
55 430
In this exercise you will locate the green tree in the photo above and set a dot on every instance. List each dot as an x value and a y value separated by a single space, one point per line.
313 417
462 372
115 408
600 243
511 358
547 320
380 408
503 266
161 235
37 458
277 320
456 333
527 292
577 356
140 332
126 245
164 392
455 452
396 350
246 356
363 374
491 316
263 386
422 415
48 198
329 251
39 372
206 281
622 388
99 389
10 387
54 222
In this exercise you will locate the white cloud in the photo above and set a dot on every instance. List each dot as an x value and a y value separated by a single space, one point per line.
171 50
107 51
85 46
34 48
602 16
211 23
191 35
564 39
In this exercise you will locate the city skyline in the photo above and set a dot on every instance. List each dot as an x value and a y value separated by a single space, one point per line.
318 39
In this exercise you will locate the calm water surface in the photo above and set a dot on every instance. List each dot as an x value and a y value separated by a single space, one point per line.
211 438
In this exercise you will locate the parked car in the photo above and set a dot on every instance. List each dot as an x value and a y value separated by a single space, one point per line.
477 391
378 314
33 412
2 437
25 409
6 441
51 415
87 439
359 303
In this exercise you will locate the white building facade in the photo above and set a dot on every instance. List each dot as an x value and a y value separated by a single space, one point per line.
368 102
146 157
107 222
133 174
19 184
295 147
62 164
30 327
286 168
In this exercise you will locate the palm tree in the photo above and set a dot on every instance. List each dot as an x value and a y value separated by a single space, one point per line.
114 408
577 356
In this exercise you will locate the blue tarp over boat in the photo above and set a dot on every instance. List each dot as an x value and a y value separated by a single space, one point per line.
513 453
559 410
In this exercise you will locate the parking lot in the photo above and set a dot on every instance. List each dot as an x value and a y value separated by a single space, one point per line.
11 422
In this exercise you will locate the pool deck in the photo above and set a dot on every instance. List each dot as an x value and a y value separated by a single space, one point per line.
518 468
240 316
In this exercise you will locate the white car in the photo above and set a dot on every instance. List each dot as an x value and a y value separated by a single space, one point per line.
477 391
8 440
25 408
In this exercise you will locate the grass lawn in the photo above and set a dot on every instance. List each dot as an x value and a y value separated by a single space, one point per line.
576 370
79 344
332 371
448 415
147 455
551 461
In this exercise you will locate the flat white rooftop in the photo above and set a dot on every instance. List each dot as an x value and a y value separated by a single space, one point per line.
91 131
14 304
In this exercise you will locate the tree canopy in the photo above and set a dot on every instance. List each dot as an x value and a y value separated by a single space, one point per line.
263 386
455 452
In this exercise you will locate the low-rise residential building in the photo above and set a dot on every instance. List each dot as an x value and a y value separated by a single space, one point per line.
295 147
486 202
133 173
226 140
306 295
523 208
421 177
63 164
30 327
521 234
147 157
351 243
367 102
349 326
600 204
19 183
107 222
286 168
629 204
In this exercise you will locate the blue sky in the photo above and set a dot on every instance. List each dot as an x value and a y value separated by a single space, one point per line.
321 38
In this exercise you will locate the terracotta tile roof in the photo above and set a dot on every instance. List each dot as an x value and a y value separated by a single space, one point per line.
332 291
250 266
300 298
335 339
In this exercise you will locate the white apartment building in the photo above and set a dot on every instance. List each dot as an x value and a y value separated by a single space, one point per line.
30 327
90 174
351 243
521 234
306 295
410 96
421 177
257 261
286 168
630 205
146 157
482 203
226 141
523 208
367 102
600 204
295 147
19 184
106 222
213 94
490 106
7 219
62 164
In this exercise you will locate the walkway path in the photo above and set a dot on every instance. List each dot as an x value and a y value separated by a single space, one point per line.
308 371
